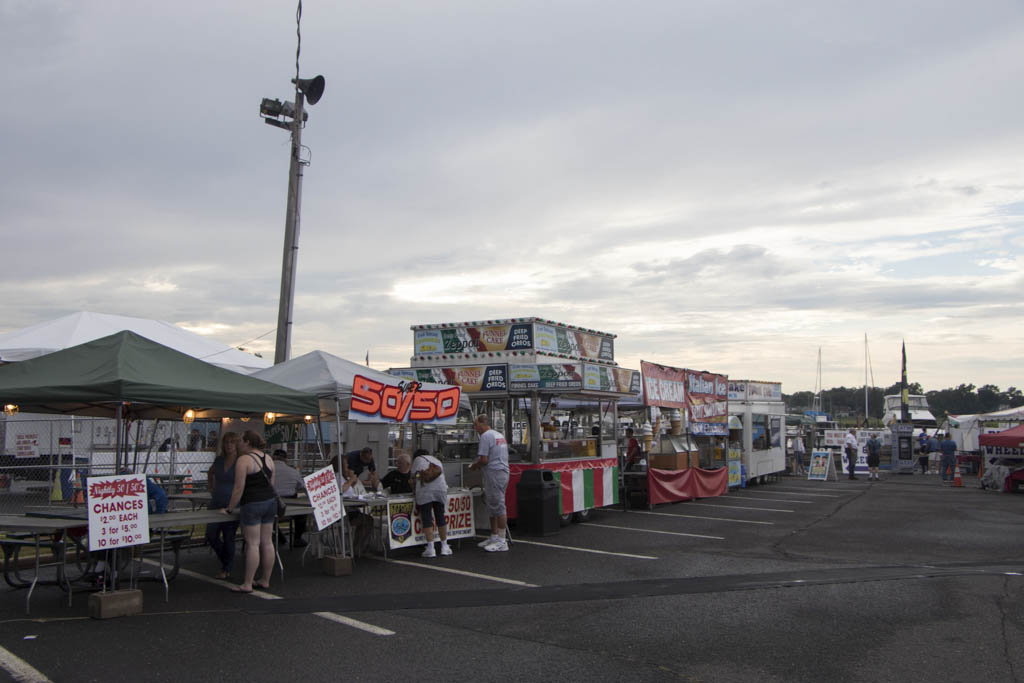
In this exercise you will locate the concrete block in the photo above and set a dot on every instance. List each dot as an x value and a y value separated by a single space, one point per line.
335 565
121 603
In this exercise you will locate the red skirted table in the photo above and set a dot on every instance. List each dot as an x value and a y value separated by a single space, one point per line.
671 486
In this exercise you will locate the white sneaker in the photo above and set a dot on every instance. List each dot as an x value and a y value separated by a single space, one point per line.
487 541
446 549
499 546
429 552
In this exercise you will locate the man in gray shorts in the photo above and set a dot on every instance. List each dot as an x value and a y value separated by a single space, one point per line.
493 461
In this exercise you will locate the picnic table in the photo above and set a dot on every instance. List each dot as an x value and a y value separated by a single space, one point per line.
18 529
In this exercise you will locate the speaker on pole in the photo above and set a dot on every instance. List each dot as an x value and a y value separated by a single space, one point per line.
312 88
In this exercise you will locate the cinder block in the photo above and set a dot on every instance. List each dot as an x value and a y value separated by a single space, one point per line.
336 565
122 603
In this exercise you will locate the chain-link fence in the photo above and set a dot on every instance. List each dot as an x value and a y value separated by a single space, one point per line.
46 459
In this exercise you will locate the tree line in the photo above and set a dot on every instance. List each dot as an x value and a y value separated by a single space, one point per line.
843 402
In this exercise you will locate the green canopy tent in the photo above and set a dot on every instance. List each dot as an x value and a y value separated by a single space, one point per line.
126 375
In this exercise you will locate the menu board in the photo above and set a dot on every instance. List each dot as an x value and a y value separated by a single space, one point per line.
473 339
470 378
564 376
324 496
118 511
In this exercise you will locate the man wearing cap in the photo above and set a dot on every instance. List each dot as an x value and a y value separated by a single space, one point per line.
493 461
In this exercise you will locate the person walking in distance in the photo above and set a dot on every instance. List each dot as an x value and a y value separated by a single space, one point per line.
492 459
798 454
874 456
850 447
947 461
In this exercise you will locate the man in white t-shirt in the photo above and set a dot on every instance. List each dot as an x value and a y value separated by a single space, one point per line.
492 459
431 496
851 447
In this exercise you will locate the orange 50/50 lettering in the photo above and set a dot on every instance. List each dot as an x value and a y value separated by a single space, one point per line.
401 403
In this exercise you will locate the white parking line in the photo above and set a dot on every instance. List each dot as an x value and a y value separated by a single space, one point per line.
800 493
669 514
19 669
519 541
449 570
354 623
654 531
775 500
737 507
330 616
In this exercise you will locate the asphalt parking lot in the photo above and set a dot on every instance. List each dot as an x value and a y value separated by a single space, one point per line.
903 579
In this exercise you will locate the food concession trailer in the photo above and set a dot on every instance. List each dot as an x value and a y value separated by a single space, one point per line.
761 416
551 388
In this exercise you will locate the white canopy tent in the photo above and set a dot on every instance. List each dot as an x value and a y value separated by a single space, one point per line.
84 326
328 377
965 429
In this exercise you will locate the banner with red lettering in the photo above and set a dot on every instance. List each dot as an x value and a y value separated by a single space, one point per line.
707 403
324 496
405 529
664 386
118 511
402 400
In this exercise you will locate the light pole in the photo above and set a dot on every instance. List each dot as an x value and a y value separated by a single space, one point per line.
274 112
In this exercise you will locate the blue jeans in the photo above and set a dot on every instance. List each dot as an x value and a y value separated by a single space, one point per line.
221 537
947 462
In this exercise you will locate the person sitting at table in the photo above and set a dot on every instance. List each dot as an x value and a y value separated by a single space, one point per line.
288 482
399 480
254 497
157 497
220 481
360 522
357 461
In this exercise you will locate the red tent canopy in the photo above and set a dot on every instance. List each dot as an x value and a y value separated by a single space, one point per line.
1011 438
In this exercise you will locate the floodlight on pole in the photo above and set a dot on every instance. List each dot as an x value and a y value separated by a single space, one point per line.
292 117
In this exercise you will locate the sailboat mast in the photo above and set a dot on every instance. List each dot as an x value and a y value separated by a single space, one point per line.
865 379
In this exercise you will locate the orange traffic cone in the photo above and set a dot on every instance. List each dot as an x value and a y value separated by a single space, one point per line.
957 481
187 487
76 486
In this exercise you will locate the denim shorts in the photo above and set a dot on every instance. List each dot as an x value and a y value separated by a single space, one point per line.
263 512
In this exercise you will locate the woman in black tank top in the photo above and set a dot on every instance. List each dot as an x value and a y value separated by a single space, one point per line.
254 498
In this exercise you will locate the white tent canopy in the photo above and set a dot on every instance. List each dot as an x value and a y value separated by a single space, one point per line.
329 377
967 428
79 328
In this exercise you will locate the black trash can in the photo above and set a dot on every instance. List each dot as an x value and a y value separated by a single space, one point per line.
537 498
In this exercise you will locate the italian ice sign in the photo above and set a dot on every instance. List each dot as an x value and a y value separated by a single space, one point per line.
707 402
118 511
325 497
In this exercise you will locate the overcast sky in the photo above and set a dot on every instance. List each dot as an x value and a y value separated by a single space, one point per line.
724 185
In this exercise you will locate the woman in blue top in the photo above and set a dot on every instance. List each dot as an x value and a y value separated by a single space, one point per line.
254 497
220 480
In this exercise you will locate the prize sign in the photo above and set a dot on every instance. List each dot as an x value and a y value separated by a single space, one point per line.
118 511
406 530
322 489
